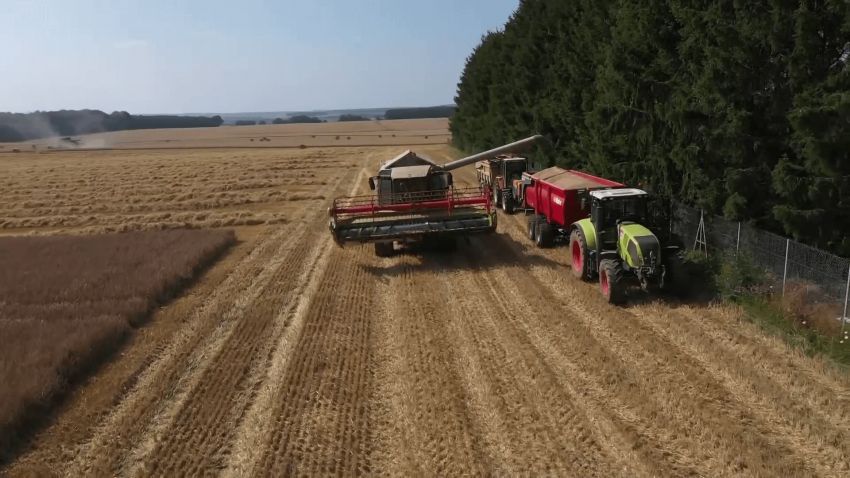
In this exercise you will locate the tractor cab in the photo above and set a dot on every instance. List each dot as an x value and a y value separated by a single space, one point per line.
512 168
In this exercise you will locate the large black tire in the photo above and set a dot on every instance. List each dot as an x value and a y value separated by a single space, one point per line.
673 278
384 249
544 234
507 202
580 255
497 197
532 226
612 281
446 244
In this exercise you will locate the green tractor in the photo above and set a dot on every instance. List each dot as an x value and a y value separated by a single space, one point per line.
613 245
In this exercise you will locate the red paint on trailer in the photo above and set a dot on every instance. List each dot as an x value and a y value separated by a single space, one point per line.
554 193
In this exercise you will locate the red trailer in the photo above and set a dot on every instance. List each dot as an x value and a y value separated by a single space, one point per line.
553 200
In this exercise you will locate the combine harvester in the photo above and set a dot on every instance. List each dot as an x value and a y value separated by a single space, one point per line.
417 203
604 222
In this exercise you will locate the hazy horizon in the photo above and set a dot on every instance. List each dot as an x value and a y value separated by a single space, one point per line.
192 57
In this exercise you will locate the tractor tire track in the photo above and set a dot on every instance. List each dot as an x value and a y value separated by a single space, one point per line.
542 430
321 416
426 427
736 414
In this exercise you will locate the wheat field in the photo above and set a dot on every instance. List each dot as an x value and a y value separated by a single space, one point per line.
293 356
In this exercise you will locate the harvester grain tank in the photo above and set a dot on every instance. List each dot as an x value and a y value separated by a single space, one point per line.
416 202
604 222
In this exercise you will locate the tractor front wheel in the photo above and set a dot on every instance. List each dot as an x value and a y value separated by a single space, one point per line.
497 197
507 202
612 281
672 279
579 255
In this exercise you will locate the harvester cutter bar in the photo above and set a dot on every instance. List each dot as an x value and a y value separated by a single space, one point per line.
414 215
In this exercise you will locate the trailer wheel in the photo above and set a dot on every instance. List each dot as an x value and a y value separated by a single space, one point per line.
384 249
544 233
532 227
507 204
611 279
579 255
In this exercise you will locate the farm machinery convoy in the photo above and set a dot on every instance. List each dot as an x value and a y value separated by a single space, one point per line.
604 222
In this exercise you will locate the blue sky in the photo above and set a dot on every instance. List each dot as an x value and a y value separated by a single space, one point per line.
185 56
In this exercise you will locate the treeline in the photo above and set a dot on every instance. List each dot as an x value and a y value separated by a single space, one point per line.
298 119
26 126
347 117
741 108
428 112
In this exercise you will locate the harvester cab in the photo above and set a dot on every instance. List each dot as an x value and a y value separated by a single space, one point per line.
615 244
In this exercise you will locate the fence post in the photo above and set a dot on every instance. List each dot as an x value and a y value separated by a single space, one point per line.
785 273
846 295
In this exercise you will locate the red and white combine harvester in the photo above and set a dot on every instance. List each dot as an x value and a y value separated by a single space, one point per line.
416 203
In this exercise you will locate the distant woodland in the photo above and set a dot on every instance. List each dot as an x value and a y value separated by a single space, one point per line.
298 119
26 126
741 108
347 117
428 112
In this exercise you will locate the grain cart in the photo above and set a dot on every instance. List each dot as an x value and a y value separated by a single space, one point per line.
499 175
416 203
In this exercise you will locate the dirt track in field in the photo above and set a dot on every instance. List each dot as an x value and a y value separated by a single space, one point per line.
298 357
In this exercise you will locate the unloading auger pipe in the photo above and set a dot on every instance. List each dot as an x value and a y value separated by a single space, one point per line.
508 148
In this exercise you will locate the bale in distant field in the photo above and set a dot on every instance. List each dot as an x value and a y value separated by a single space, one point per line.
337 137
426 137
348 137
302 146
16 150
252 139
313 136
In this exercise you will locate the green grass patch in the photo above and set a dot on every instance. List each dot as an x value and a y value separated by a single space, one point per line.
734 278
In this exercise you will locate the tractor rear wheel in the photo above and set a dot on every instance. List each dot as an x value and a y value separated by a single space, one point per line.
384 249
579 255
532 226
507 202
612 281
544 233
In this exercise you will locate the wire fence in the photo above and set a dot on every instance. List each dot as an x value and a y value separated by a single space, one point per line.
824 276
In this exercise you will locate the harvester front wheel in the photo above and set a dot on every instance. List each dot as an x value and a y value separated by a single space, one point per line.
612 281
507 204
544 233
579 255
532 226
384 249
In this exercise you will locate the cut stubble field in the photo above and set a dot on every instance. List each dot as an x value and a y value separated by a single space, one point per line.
293 356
